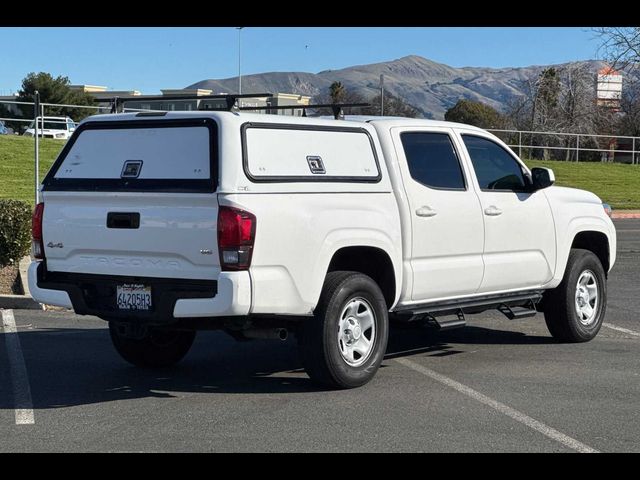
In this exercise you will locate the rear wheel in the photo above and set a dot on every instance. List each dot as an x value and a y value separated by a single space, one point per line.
343 345
575 309
156 348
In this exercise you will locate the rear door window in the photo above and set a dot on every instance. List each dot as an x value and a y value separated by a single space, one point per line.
432 160
159 155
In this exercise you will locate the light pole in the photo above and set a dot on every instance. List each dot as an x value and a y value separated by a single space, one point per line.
381 95
38 118
239 71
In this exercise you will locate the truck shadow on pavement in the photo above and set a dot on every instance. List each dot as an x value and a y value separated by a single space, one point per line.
69 367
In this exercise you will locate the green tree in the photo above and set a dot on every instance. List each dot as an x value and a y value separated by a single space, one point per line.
544 110
475 113
54 90
548 88
337 92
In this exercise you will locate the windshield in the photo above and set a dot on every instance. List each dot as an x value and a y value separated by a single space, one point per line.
51 124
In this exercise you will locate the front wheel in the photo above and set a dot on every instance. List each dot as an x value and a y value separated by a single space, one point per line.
157 348
575 309
343 345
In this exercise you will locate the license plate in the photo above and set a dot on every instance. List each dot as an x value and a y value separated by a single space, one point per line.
133 297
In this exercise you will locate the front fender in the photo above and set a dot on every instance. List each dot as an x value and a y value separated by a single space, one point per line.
574 226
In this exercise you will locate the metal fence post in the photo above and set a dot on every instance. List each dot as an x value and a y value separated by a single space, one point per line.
577 147
633 151
36 112
520 144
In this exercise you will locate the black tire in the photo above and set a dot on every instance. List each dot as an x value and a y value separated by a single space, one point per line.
158 348
320 346
560 309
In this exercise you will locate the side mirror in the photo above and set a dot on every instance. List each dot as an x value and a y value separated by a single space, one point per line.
542 178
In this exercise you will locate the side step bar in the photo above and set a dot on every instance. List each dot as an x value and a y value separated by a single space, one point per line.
513 306
514 313
443 323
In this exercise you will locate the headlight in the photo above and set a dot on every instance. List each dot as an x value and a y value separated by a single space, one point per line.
607 209
59 135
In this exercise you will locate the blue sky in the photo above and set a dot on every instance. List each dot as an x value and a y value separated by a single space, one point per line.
148 59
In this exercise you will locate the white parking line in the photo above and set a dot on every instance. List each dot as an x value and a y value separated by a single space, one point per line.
620 329
500 407
23 404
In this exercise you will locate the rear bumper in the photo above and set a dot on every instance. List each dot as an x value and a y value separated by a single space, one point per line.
173 299
58 298
232 298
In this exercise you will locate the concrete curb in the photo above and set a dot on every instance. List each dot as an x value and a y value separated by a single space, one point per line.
23 266
619 215
21 302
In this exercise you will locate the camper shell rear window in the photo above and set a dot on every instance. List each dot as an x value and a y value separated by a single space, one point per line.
177 155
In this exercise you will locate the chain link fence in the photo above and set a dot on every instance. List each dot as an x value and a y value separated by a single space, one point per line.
571 147
14 116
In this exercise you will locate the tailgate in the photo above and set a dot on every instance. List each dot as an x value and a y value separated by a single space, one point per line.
174 236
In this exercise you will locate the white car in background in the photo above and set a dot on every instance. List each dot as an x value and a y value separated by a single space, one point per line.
59 128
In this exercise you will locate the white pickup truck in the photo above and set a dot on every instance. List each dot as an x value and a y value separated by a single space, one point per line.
164 224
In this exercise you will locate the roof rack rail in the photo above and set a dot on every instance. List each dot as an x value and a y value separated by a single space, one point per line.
230 99
336 108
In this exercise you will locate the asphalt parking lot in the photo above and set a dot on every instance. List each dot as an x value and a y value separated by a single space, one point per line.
495 386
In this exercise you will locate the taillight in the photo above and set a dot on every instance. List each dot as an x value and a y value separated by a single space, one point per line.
37 244
236 234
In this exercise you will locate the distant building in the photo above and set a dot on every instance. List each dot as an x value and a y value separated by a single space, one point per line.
105 97
286 99
102 93
609 88
190 104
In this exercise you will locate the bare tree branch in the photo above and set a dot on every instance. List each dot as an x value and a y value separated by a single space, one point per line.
620 46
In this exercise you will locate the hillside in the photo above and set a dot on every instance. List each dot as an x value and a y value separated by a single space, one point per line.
429 86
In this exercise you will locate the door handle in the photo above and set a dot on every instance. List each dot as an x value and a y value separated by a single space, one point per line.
426 211
492 211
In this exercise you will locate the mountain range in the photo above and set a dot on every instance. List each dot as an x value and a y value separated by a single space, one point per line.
430 87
